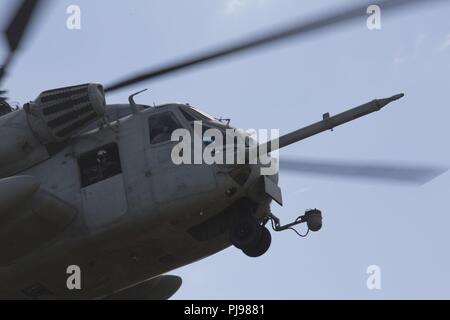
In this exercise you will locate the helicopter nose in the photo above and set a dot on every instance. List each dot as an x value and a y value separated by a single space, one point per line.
241 174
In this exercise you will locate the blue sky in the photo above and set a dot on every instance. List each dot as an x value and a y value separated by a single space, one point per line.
404 230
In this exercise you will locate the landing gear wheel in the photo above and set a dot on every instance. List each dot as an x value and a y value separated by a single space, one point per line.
259 248
245 232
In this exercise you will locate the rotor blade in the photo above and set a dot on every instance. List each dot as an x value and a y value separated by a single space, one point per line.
17 28
295 29
383 172
19 23
3 97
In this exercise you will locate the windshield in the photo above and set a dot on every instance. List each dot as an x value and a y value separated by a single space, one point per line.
229 133
202 115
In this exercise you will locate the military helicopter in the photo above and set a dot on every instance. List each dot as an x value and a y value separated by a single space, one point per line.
92 185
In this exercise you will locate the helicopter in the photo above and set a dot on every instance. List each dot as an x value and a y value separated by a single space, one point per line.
93 185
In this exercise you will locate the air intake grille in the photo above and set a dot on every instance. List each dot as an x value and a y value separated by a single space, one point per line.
66 111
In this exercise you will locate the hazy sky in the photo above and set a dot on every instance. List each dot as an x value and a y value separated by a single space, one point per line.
404 230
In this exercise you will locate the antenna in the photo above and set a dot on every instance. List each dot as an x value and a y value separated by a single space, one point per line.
133 105
227 121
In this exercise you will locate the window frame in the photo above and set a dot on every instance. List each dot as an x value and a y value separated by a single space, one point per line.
174 116
81 168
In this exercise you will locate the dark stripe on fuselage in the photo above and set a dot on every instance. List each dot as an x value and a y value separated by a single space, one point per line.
80 123
64 94
69 117
65 105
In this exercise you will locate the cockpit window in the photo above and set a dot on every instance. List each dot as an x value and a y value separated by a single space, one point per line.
202 115
161 127
189 117
99 164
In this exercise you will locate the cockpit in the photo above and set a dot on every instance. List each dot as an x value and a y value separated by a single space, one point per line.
172 117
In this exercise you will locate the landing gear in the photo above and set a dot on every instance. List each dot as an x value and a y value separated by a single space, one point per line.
249 236
245 232
254 239
261 247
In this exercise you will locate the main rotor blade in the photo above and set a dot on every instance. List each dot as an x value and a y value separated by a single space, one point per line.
418 175
17 28
268 38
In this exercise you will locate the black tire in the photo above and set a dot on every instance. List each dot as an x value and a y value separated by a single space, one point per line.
261 247
245 232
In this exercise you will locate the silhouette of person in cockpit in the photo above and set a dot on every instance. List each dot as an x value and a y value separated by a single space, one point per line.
161 128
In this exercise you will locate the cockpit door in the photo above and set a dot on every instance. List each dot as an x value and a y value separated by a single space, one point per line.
170 181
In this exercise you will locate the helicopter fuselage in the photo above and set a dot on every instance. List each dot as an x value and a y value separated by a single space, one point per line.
98 189
137 217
